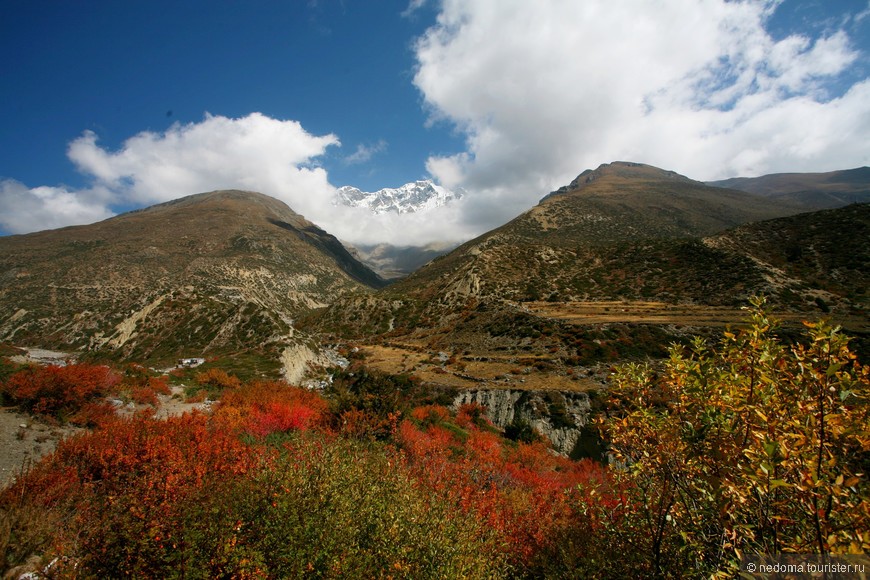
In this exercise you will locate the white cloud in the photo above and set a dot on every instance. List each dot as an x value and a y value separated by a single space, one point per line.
413 6
360 226
543 90
255 153
24 209
364 152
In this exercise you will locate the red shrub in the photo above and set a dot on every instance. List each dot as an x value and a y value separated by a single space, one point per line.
472 414
217 380
158 462
434 442
159 385
430 414
360 424
59 391
94 414
144 396
280 417
266 407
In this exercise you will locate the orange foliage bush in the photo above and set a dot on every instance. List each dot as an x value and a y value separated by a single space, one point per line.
59 391
217 380
430 414
472 414
161 484
363 424
280 418
144 396
94 414
524 492
266 407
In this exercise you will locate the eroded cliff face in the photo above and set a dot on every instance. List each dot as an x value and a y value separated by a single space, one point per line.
562 417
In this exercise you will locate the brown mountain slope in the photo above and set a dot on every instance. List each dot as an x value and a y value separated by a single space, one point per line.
214 272
636 240
622 201
812 190
822 255
622 230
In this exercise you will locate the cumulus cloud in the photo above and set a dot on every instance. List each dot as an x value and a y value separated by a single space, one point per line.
540 91
543 90
359 226
24 209
254 153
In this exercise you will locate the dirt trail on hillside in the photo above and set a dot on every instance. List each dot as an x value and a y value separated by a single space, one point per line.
25 439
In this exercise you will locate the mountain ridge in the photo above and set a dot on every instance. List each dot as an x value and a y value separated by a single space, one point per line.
421 195
825 190
624 232
215 272
220 271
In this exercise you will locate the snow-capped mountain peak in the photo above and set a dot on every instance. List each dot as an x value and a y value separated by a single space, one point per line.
412 197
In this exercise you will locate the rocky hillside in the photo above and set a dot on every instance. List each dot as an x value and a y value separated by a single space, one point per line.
821 257
624 230
658 252
225 271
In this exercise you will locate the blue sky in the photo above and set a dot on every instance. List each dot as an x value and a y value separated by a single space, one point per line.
106 106
118 68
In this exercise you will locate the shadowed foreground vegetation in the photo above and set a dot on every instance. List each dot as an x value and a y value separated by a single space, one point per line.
748 447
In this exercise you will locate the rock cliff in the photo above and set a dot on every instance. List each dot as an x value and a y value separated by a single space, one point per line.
558 416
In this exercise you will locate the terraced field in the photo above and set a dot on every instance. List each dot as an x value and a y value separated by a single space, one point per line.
660 313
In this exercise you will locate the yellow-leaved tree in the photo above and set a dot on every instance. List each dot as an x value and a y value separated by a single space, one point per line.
753 447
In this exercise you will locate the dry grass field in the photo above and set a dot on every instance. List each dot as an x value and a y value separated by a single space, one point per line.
493 371
639 312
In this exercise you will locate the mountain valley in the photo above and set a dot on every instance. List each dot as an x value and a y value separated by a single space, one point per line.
233 367
614 266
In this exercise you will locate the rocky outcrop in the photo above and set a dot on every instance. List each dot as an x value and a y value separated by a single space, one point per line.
559 416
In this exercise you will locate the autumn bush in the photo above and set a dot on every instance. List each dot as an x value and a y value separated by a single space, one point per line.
266 407
750 447
216 380
142 386
523 492
59 392
430 414
368 404
187 497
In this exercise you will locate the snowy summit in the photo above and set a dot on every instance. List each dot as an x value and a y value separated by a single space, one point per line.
410 198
